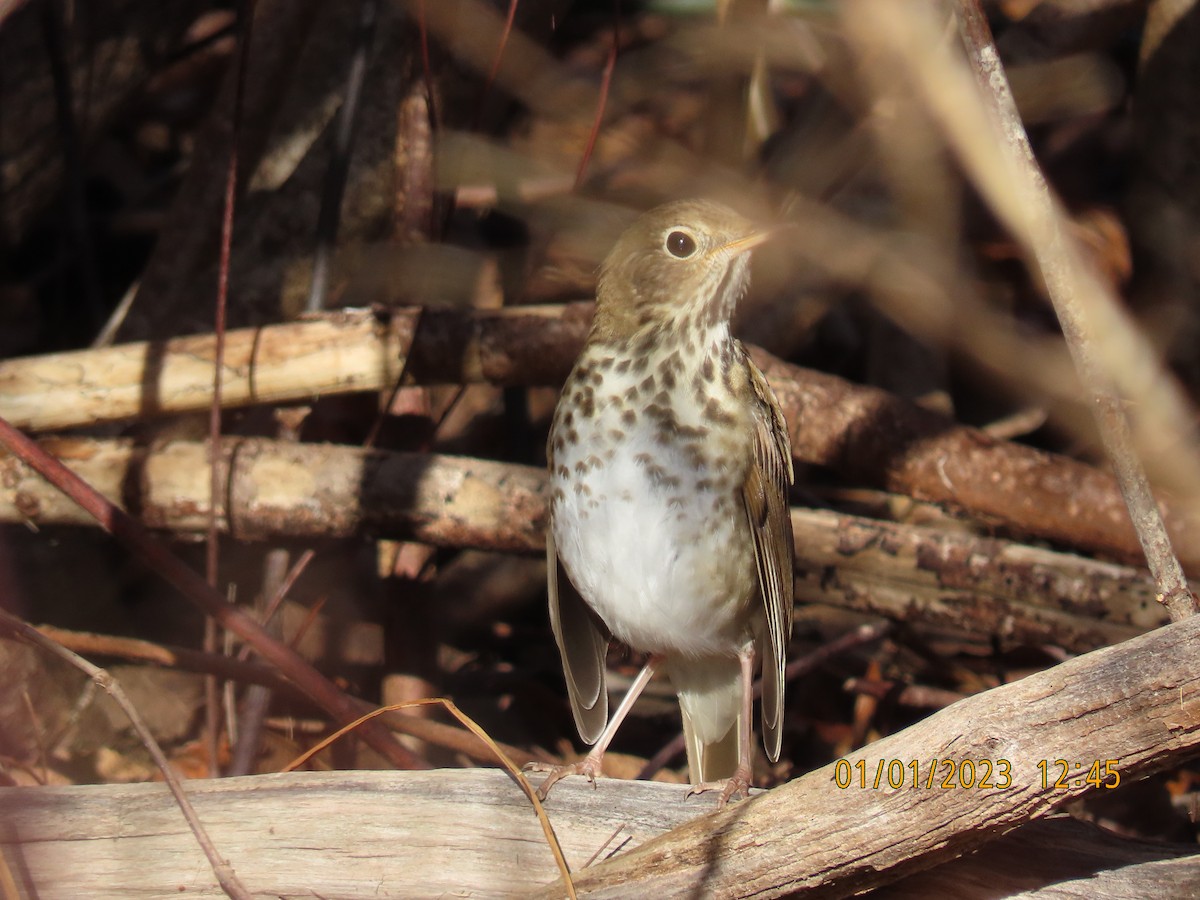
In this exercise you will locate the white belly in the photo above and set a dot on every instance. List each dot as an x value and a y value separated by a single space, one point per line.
657 545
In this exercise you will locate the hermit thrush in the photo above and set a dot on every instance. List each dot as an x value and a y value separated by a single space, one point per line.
669 466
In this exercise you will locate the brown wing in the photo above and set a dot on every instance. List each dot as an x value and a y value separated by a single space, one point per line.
583 645
765 494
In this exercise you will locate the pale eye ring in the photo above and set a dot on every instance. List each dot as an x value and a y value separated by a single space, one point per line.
680 244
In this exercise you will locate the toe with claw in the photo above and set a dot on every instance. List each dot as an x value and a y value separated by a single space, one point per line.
589 767
737 786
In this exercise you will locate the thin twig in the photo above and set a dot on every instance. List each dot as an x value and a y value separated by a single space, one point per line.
256 701
496 60
330 215
427 67
182 658
281 592
213 540
430 732
1058 262
612 837
1108 353
221 868
602 100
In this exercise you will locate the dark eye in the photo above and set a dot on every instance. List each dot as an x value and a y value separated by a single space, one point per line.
680 244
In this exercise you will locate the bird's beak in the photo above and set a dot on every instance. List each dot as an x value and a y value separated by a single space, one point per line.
749 242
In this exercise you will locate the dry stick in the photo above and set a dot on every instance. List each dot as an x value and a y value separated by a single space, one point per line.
426 67
127 530
904 694
246 718
527 71
602 100
336 353
221 868
281 592
257 701
873 437
828 834
212 554
334 187
496 60
8 7
38 734
170 657
1040 228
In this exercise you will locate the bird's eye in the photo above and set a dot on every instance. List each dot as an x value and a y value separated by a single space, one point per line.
680 244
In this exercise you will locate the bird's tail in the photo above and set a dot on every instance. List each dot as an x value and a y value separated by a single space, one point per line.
710 699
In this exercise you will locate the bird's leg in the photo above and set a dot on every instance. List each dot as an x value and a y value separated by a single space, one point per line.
738 785
590 764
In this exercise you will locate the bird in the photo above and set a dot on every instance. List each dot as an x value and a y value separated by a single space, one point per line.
669 529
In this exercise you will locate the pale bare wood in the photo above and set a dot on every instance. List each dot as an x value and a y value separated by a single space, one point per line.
337 353
280 490
412 834
451 832
62 390
1137 703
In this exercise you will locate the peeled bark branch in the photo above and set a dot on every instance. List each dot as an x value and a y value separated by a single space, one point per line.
866 434
340 353
275 490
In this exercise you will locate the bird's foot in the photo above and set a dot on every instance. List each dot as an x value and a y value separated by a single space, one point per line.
589 766
737 786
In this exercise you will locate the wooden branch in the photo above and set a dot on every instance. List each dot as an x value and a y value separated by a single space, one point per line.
1058 858
274 490
277 489
182 658
445 832
874 437
866 434
344 834
490 843
968 584
1137 704
339 353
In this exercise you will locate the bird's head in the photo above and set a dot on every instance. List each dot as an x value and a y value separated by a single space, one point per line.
680 265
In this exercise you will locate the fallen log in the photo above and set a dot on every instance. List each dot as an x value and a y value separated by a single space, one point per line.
275 490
